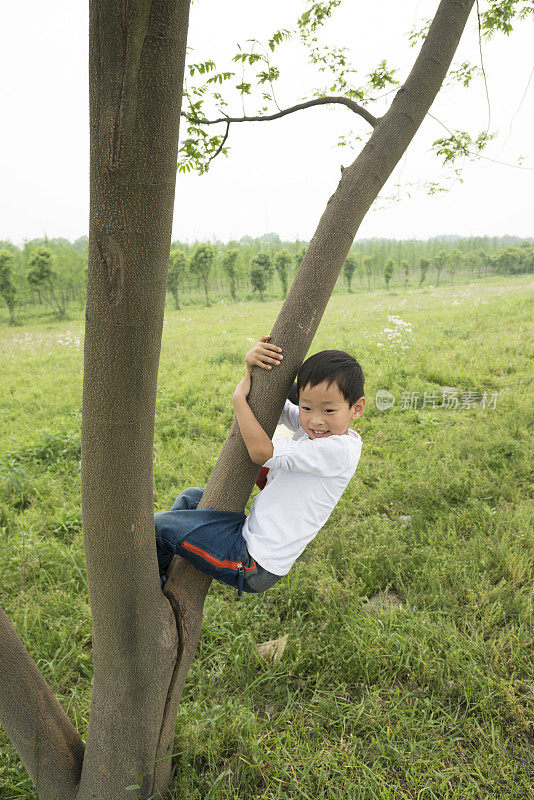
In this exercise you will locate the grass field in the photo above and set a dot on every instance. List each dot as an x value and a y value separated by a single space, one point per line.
429 699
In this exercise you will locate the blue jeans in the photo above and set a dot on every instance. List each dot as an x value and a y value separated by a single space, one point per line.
212 541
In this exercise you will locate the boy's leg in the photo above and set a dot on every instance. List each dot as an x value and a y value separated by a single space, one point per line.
188 499
217 533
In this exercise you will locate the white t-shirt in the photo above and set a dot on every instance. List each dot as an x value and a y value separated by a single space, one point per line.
306 478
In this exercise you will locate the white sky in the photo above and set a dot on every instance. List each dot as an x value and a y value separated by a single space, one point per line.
279 175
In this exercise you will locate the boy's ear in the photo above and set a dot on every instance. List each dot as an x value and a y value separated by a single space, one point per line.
358 407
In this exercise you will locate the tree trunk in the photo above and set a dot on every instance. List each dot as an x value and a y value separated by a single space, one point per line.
234 475
137 54
56 303
46 741
205 284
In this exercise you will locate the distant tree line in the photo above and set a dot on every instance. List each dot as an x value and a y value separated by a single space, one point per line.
49 275
45 275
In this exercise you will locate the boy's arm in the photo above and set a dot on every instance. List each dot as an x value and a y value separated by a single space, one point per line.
258 444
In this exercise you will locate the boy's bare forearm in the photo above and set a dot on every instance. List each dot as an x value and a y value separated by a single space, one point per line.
258 444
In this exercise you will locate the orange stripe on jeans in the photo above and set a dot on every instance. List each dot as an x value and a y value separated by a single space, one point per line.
216 561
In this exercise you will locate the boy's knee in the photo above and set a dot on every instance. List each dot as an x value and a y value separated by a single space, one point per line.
262 581
255 588
192 497
188 499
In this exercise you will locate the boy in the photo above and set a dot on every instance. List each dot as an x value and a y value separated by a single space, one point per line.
305 478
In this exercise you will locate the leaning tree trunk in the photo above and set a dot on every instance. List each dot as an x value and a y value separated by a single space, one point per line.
234 474
304 306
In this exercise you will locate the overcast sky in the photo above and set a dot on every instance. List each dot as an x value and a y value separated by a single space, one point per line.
279 175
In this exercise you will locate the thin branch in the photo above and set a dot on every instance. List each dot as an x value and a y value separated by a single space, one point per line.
319 101
477 155
516 112
221 144
483 70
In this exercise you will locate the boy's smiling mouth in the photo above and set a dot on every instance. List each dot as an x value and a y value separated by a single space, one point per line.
319 433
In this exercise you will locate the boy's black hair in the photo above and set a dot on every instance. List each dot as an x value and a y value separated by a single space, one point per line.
333 366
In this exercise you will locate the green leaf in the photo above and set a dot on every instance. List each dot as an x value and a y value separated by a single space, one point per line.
202 68
278 38
464 73
416 34
501 13
382 76
459 144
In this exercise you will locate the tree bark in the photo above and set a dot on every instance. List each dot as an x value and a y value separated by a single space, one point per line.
205 285
136 59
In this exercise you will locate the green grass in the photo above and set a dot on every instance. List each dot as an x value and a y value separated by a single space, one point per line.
430 700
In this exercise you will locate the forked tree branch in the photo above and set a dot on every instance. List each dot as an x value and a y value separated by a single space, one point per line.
138 671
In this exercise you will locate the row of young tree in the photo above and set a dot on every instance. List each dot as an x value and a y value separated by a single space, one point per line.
53 273
510 260
261 269
48 273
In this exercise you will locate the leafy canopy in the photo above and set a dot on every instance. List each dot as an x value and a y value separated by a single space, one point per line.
247 88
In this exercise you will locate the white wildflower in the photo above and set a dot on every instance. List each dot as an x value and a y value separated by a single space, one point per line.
398 337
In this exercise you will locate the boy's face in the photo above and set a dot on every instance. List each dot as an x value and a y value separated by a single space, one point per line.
323 410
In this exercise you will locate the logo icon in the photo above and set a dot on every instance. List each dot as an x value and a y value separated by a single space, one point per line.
384 399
